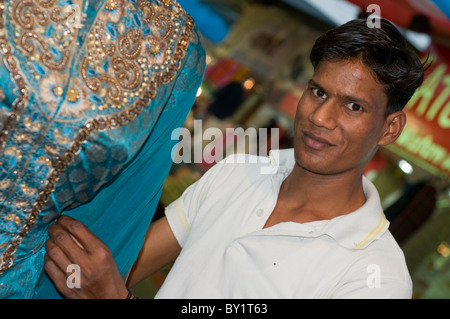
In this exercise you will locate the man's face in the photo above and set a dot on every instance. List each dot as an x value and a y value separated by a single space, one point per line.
340 119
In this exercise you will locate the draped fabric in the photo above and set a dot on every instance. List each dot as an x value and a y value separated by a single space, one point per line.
211 24
90 93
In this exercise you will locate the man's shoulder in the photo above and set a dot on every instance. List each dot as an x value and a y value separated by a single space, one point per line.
261 164
236 171
240 163
387 254
387 245
245 159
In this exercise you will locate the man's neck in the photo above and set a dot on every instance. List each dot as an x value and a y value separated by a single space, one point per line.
306 197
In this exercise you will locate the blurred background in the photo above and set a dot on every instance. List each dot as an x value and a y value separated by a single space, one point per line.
257 68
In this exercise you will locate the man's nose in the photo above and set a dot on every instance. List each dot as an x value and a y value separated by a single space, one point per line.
325 115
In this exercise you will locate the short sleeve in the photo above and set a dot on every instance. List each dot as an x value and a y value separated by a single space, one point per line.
182 212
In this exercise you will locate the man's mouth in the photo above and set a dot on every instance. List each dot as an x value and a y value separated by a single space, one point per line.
315 142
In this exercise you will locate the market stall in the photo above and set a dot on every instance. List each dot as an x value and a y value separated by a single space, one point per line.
255 76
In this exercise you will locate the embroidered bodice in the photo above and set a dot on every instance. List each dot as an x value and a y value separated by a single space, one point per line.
83 88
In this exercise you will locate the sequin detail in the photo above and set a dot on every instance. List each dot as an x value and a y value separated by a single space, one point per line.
138 65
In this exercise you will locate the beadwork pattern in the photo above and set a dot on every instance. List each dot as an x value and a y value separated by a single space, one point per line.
106 96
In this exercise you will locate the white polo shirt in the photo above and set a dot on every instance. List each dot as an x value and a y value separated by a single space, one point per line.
226 252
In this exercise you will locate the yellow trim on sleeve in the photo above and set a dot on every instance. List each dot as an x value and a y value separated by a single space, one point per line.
372 234
182 216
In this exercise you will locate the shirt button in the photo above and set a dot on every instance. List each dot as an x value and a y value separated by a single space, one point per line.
259 212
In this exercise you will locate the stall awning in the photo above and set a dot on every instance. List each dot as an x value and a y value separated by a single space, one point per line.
429 16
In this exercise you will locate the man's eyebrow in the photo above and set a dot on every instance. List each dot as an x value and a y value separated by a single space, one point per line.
314 84
311 82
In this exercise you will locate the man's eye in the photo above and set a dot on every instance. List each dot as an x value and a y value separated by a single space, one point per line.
354 107
318 92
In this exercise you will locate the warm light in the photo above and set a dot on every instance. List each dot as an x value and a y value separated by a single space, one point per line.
443 249
208 59
248 84
199 91
405 167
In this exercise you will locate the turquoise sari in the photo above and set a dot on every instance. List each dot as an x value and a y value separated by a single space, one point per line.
90 94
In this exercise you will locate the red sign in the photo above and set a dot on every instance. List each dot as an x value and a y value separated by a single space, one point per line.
426 136
288 103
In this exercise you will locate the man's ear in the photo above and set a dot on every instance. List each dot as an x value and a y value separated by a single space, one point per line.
393 127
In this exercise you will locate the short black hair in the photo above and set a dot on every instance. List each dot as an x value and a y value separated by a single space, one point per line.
383 49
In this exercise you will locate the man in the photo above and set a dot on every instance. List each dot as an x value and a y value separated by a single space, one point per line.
310 227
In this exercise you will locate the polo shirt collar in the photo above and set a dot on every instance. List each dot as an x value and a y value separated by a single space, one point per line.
355 230
282 161
358 229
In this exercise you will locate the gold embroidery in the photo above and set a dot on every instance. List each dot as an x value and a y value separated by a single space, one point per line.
126 42
168 3
22 138
167 72
4 184
47 3
100 30
32 126
24 11
115 10
123 67
52 150
110 4
161 21
58 90
44 160
46 57
114 92
127 73
19 104
129 77
147 9
13 217
14 151
72 95
56 12
31 18
27 190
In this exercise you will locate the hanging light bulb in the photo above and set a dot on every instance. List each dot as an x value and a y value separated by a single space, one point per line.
405 167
